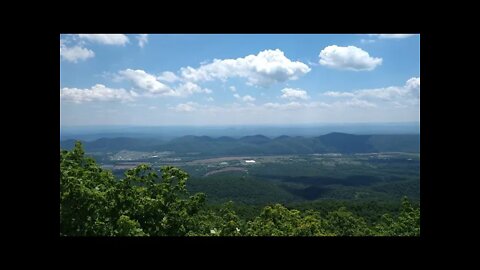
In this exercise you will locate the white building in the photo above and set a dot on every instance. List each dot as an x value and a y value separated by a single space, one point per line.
250 161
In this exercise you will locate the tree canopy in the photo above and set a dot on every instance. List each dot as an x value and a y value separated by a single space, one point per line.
152 202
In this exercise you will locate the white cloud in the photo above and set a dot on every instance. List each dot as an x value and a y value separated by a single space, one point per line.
146 82
263 69
285 106
411 90
98 92
385 94
348 58
339 94
107 39
359 103
317 105
153 86
271 105
413 83
186 107
210 99
246 98
142 40
383 36
292 94
190 88
408 94
152 107
168 76
295 105
75 53
233 89
399 105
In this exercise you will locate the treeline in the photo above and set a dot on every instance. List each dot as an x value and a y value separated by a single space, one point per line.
144 203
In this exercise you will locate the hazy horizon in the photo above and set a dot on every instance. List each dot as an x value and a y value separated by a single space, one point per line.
96 132
240 125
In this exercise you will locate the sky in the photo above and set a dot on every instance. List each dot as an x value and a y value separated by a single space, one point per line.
238 79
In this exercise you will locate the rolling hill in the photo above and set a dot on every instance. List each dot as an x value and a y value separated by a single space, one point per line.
260 145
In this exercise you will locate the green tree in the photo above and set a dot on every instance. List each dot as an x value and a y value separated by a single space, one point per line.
406 224
277 220
85 208
345 223
221 222
142 203
92 202
128 227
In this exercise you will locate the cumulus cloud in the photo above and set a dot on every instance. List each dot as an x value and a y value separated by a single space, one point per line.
142 40
233 89
413 84
146 82
294 105
247 107
411 90
75 53
152 85
189 88
246 98
291 105
210 99
348 58
292 94
186 107
339 94
396 36
98 92
106 39
398 95
168 76
263 69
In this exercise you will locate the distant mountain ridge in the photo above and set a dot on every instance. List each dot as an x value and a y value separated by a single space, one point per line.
335 142
169 132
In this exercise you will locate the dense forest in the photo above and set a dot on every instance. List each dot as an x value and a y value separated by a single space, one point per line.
148 202
260 145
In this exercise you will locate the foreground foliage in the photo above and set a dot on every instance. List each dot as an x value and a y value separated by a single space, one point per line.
146 202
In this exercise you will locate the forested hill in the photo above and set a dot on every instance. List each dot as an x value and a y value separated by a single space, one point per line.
146 202
259 144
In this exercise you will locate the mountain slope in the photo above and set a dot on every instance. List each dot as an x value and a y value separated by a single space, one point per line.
261 145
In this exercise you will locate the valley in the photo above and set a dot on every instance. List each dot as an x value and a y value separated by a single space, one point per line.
255 171
284 178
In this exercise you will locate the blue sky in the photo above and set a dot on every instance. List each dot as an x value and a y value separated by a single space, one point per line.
168 79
